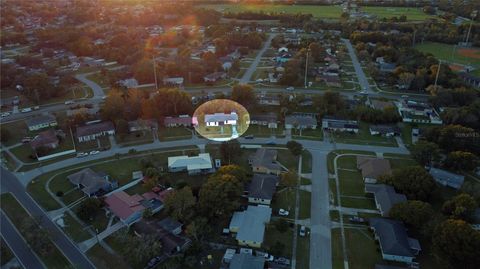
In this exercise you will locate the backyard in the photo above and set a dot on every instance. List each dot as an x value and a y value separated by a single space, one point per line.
452 53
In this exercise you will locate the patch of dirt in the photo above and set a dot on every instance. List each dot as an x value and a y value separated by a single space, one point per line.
457 67
470 53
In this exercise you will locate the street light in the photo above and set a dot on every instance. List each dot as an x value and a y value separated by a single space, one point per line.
306 68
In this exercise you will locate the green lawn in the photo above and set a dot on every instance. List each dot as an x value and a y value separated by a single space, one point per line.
306 162
310 134
305 204
337 253
448 53
134 138
287 159
74 229
363 137
272 235
6 253
284 199
17 215
303 251
100 80
361 249
174 133
18 130
330 12
263 131
413 14
104 260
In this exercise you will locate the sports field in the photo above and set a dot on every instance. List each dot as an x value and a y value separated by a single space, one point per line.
452 53
329 12
413 14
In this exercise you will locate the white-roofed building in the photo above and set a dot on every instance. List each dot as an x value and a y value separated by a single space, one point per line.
193 165
250 225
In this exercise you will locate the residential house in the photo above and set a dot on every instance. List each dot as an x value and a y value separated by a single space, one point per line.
395 245
93 131
128 83
385 197
142 125
385 130
193 165
173 81
373 168
269 100
129 208
412 111
171 243
339 125
41 122
170 225
46 139
92 183
301 121
447 178
269 119
220 119
265 161
246 261
261 188
182 120
379 104
214 77
470 79
250 225
387 67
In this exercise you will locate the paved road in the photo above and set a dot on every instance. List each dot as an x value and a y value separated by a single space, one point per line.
10 183
362 79
320 234
17 244
97 90
251 69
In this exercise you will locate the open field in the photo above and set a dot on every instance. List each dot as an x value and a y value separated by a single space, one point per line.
413 14
329 12
452 53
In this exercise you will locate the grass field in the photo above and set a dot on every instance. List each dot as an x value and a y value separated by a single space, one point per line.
329 12
450 53
413 14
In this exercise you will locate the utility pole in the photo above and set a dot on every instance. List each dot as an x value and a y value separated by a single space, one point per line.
155 72
413 41
473 16
438 73
306 68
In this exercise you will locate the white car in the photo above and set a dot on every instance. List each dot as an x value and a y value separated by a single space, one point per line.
248 251
283 212
290 89
259 80
5 114
93 152
404 96
268 257
69 102
82 154
25 110
302 230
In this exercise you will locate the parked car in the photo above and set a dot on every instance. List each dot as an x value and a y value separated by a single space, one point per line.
249 137
26 140
5 114
82 154
283 212
248 251
25 110
271 143
302 230
268 257
282 260
356 219
290 89
93 152
36 107
404 96
69 102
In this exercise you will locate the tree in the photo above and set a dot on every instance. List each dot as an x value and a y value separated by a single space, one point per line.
295 148
238 172
289 179
405 80
220 195
229 150
114 106
457 244
147 213
244 94
413 181
461 206
198 228
180 203
425 152
89 208
36 236
414 213
461 160
137 250
122 127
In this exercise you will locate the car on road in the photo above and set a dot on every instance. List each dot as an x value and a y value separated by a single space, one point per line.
283 212
249 137
282 260
104 97
82 154
290 88
364 92
25 110
268 257
36 107
404 96
26 140
271 143
69 102
302 230
94 152
5 114
259 80
356 219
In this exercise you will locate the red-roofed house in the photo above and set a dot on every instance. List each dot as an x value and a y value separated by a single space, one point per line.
129 208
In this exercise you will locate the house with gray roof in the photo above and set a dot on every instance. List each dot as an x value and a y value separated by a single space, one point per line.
447 178
93 131
268 119
261 188
265 161
298 121
393 239
41 122
384 130
171 225
192 164
246 261
385 197
92 183
340 125
220 119
250 225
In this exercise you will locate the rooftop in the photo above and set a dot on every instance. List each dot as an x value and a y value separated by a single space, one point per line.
251 223
266 158
42 119
202 161
94 128
385 195
393 237
262 186
373 167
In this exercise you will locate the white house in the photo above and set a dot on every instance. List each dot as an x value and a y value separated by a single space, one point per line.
93 131
193 165
220 119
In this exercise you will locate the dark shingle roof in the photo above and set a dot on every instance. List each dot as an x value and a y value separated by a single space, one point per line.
246 261
392 236
95 128
266 158
262 186
385 195
42 119
169 224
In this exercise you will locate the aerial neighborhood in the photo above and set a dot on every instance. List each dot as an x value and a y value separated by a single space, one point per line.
321 134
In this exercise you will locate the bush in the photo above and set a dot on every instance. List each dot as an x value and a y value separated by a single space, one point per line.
281 225
59 193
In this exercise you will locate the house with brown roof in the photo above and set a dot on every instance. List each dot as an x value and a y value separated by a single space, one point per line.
269 119
46 139
182 120
93 131
41 122
129 208
265 161
372 168
92 183
142 125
